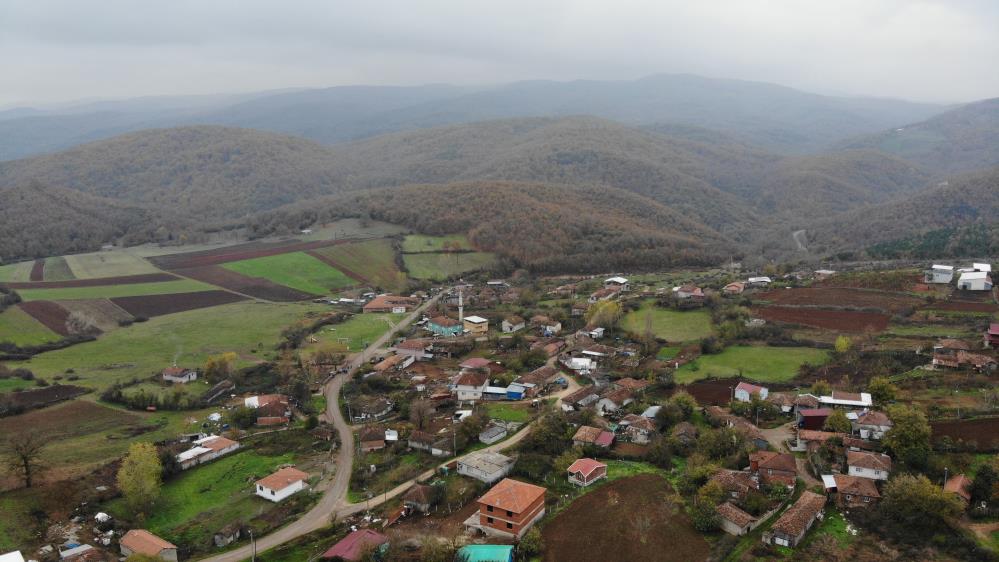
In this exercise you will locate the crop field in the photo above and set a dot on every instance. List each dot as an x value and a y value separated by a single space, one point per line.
251 329
22 329
110 291
50 314
37 271
371 262
14 272
256 287
418 243
149 306
982 432
840 320
670 325
109 264
961 306
641 518
355 229
439 267
56 269
357 331
237 252
43 396
841 297
297 270
105 314
96 282
901 280
760 363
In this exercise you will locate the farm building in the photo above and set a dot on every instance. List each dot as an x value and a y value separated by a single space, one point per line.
444 326
509 509
140 541
744 392
734 289
492 434
792 525
846 399
982 267
206 449
179 375
419 497
619 283
851 491
975 281
371 439
734 521
513 324
476 325
391 303
736 483
876 466
281 484
759 281
960 486
689 293
356 544
639 429
939 274
585 471
614 400
992 336
485 466
813 418
587 435
603 294
547 326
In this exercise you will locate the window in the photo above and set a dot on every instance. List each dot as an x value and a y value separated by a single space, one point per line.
489 508
509 525
848 497
867 499
272 492
509 513
489 519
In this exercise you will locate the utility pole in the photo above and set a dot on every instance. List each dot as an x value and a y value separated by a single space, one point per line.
253 543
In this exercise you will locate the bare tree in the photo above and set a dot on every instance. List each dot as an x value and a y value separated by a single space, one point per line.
24 451
420 413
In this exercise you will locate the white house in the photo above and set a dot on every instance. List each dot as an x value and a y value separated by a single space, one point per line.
744 392
179 375
470 386
206 449
485 466
619 282
513 324
975 281
282 484
582 364
759 281
872 425
985 267
876 466
939 274
847 399
476 325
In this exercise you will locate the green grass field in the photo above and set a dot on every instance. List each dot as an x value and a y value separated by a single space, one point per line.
16 272
358 330
931 330
297 270
56 269
442 266
19 327
111 291
374 260
667 324
14 383
758 363
415 243
188 337
510 412
108 264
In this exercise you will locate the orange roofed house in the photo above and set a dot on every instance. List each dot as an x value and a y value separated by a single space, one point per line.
140 541
509 509
391 303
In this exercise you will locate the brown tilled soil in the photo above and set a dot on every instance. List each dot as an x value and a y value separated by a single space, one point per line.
964 306
629 519
840 320
159 305
713 392
37 270
105 314
99 282
842 298
38 397
254 286
48 313
983 432
237 253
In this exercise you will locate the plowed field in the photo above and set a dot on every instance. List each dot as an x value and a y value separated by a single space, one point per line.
983 432
158 305
842 297
253 286
98 282
48 313
236 253
840 320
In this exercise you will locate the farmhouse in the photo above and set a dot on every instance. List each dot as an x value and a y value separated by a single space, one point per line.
792 525
689 293
547 326
356 544
639 429
586 471
417 349
509 509
773 467
872 425
419 498
371 439
975 281
734 289
614 400
444 326
492 434
846 399
470 385
179 375
282 484
809 438
734 521
587 435
485 466
619 283
270 409
476 325
939 274
631 384
391 303
684 432
367 408
875 466
960 486
602 294
852 491
140 541
206 449
512 324
736 483
744 392
582 398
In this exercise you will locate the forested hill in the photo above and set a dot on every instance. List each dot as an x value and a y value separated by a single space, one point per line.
545 227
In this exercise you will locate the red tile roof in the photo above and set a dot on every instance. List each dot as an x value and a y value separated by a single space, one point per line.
769 460
855 486
475 363
730 512
872 461
960 485
512 495
585 466
282 478
144 542
586 434
873 418
604 439
353 545
750 388
796 519
472 378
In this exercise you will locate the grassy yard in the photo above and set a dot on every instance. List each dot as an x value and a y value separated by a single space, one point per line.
56 269
14 383
416 243
357 332
19 327
108 264
111 291
374 260
297 270
16 506
248 328
667 353
774 364
931 330
667 324
520 413
16 272
442 266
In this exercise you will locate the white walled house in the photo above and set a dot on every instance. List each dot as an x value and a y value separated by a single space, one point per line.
939 274
513 324
485 466
620 283
744 392
975 281
875 466
179 375
872 425
470 386
282 484
206 449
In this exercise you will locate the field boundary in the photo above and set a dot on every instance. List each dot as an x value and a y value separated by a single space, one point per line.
93 282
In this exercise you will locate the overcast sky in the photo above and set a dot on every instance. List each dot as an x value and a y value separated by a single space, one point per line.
52 50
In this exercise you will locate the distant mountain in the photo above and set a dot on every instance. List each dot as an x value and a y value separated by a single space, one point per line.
773 117
960 140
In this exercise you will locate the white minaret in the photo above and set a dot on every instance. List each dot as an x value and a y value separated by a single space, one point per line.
461 308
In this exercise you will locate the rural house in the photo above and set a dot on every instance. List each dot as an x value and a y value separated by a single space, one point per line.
792 525
485 466
813 418
419 497
734 521
852 491
875 466
773 467
355 545
179 375
939 274
512 324
685 433
444 326
846 400
872 425
992 335
744 392
391 303
140 541
547 326
582 398
736 483
975 281
206 449
602 294
371 439
734 289
691 293
618 283
417 349
421 440
586 471
470 385
639 429
587 435
614 400
509 509
634 385
492 434
270 409
282 484
476 325
960 486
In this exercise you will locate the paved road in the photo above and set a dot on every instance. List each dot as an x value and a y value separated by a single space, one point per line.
334 498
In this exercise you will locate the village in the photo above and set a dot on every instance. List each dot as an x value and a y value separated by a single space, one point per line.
694 415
